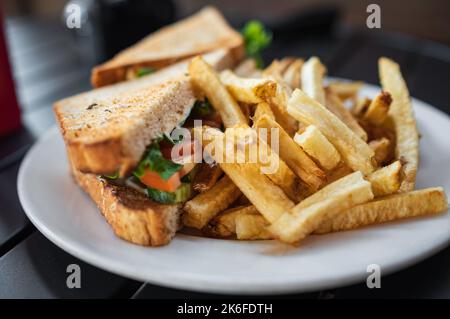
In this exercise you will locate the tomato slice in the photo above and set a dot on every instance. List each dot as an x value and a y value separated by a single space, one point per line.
154 180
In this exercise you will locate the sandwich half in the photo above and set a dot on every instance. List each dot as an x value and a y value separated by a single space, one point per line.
200 33
116 141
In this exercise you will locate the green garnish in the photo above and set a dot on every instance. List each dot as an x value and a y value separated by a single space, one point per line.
182 194
113 176
256 39
202 108
156 162
144 71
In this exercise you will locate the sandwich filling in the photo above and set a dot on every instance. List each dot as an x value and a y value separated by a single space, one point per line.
160 177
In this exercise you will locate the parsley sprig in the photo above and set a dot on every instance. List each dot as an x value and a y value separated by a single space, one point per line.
256 39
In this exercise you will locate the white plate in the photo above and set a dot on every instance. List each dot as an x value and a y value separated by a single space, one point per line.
64 214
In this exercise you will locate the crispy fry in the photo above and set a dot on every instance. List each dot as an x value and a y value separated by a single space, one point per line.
224 224
386 180
361 106
282 176
244 222
334 104
382 149
312 75
248 90
246 68
206 177
340 171
267 197
427 201
318 147
208 81
354 151
294 156
292 75
378 109
307 216
345 90
203 207
263 109
402 116
252 226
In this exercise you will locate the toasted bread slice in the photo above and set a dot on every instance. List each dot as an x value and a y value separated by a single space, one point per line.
107 130
132 215
203 32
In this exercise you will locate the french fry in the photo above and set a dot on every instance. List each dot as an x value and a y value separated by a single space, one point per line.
292 75
246 223
402 116
378 109
206 177
252 226
246 68
205 78
263 109
361 106
268 198
354 151
386 180
294 156
203 207
323 205
318 147
282 176
224 224
248 90
382 149
340 171
422 202
334 104
345 90
312 75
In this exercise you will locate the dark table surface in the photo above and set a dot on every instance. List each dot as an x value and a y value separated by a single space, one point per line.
47 67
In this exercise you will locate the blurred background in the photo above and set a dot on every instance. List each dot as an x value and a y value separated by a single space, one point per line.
50 61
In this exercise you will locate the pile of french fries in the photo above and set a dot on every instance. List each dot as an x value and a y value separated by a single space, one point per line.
344 161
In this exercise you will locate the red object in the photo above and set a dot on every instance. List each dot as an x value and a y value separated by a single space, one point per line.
9 109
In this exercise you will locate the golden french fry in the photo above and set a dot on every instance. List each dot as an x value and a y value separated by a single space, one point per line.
279 173
378 109
246 68
205 78
340 171
427 201
402 116
252 227
346 90
203 207
293 155
361 106
386 180
268 198
263 108
246 223
206 177
354 151
323 205
292 75
382 149
318 147
248 90
313 72
334 104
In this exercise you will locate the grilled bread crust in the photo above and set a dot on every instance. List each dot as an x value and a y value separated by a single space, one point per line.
132 215
203 32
